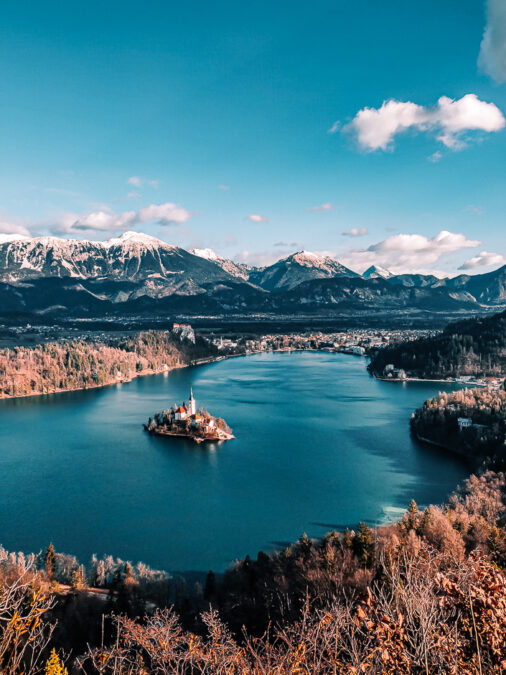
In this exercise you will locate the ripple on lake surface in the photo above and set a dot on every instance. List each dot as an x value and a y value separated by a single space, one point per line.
319 444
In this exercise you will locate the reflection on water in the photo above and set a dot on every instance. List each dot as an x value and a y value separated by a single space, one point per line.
319 445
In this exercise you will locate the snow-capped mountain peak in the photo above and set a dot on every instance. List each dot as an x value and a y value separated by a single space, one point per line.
238 270
131 237
206 253
133 256
298 267
375 272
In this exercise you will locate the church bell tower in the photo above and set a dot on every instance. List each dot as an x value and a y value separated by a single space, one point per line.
193 405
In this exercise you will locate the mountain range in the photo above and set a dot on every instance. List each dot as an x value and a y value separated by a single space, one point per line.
138 273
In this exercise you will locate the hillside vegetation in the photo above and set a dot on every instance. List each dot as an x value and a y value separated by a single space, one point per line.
62 366
437 421
473 347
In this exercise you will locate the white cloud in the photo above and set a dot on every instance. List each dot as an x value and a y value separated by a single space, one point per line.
223 187
406 253
257 218
13 228
355 232
375 128
137 181
326 206
435 157
335 127
492 57
484 259
106 220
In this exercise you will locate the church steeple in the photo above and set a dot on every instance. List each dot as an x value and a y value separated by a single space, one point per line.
193 405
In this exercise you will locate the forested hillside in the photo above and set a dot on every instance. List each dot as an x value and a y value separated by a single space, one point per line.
472 347
62 366
437 421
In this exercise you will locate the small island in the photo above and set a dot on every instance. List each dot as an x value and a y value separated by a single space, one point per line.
184 421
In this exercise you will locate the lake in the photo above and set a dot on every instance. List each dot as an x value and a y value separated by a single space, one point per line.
319 445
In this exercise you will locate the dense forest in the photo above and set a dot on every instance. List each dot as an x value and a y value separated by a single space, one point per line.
485 411
61 366
472 347
424 595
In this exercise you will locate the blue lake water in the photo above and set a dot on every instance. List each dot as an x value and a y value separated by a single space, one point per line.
319 445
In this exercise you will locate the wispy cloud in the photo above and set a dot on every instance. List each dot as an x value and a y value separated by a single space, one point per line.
492 57
435 157
477 210
404 253
326 206
257 218
376 128
138 181
355 232
223 187
484 259
285 244
335 127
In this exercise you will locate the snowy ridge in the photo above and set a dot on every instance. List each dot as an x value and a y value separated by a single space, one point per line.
229 266
4 238
132 256
132 237
377 272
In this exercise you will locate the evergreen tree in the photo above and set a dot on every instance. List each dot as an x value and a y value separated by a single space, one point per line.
363 545
50 561
412 519
210 587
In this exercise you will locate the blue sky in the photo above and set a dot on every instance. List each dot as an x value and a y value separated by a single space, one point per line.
185 121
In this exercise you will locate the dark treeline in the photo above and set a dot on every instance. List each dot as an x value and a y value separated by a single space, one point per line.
65 365
484 410
424 595
472 347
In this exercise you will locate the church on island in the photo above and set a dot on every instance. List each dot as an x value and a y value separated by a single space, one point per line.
184 421
184 411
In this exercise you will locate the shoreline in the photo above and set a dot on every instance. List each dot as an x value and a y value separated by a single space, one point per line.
424 379
436 444
198 439
124 380
215 359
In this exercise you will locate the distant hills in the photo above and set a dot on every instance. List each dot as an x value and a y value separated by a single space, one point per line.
138 273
